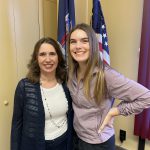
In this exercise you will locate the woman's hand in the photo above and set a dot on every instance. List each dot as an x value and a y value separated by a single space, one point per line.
109 118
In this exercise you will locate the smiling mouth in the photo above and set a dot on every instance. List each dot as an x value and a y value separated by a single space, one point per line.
79 52
48 65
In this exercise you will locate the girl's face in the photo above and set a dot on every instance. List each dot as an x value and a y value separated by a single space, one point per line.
79 46
47 59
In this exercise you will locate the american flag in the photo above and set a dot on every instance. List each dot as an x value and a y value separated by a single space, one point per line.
98 24
66 20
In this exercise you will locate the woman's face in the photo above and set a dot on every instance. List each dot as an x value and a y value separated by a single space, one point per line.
47 59
79 46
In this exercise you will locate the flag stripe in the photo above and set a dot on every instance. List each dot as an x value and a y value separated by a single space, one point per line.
98 24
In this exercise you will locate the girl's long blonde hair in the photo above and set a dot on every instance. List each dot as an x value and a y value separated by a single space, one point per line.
93 61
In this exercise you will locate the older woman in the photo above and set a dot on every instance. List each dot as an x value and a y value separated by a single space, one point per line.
42 117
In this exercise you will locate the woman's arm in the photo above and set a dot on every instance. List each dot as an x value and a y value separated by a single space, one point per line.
134 97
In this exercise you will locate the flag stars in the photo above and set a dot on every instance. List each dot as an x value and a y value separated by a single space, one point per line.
106 44
100 28
103 26
104 35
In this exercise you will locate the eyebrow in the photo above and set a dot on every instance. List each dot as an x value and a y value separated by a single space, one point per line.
86 38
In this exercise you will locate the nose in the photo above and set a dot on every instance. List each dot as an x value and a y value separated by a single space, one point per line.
47 58
78 45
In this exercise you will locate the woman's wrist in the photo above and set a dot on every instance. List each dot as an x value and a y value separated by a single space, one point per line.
114 111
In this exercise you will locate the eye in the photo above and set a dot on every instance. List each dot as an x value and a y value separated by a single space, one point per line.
42 54
85 40
72 41
52 53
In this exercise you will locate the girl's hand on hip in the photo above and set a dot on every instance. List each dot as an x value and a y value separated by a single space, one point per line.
108 121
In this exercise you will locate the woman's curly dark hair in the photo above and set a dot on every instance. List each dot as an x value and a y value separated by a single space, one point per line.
34 70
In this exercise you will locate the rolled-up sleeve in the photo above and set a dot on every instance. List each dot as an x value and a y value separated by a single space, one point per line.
134 96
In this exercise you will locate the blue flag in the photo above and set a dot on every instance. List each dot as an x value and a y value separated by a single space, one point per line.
98 24
66 20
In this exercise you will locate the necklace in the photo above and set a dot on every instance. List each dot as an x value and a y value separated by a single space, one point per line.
58 124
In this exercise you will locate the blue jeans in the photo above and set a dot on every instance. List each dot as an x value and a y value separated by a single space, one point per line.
108 145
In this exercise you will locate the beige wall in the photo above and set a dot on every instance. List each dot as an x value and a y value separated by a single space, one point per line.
50 18
80 13
26 32
7 74
19 30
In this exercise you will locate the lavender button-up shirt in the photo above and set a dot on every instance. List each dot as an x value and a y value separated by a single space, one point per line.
88 116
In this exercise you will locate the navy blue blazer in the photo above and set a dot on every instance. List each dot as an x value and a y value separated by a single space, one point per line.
28 120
